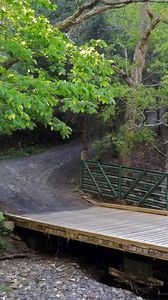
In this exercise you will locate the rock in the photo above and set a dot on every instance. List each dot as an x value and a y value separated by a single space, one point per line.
55 279
9 225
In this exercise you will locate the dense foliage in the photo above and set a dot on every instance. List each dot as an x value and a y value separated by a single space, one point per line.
121 76
41 69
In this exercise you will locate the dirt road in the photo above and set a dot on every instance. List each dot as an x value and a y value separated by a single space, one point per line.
43 182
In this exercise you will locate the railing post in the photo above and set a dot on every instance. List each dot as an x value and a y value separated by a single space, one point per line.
119 182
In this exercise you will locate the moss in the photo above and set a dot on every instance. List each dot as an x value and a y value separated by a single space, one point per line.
5 288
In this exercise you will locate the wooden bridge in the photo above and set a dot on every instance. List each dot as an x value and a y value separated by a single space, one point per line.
113 227
134 229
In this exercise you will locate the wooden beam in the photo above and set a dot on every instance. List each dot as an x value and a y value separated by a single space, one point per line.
130 208
128 278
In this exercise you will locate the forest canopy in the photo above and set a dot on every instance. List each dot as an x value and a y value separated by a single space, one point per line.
102 58
42 69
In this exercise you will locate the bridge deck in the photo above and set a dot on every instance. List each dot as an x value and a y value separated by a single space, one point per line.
129 231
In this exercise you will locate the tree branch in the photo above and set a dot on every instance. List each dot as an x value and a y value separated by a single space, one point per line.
72 20
152 125
165 21
149 30
123 75
94 7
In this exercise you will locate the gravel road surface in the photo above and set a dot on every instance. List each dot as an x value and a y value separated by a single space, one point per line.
43 182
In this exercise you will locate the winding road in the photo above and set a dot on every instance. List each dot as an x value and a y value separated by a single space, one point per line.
42 183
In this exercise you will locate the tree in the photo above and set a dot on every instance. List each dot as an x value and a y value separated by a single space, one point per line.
136 75
142 99
40 69
24 38
139 55
139 98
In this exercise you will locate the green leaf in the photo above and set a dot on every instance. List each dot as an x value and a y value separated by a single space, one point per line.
1 217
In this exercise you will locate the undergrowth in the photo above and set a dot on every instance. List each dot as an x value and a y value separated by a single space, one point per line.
3 232
23 152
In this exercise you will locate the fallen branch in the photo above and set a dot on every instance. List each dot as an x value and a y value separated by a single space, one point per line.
160 152
128 278
18 255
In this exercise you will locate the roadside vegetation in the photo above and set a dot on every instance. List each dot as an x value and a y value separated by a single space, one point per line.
23 152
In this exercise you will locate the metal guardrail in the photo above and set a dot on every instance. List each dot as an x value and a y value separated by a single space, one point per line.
133 186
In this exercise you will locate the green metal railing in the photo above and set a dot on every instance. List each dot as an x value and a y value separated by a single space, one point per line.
131 185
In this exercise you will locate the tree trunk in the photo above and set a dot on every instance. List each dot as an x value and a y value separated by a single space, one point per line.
135 79
85 141
141 49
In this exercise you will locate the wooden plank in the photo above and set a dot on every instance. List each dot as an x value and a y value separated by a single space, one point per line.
130 208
